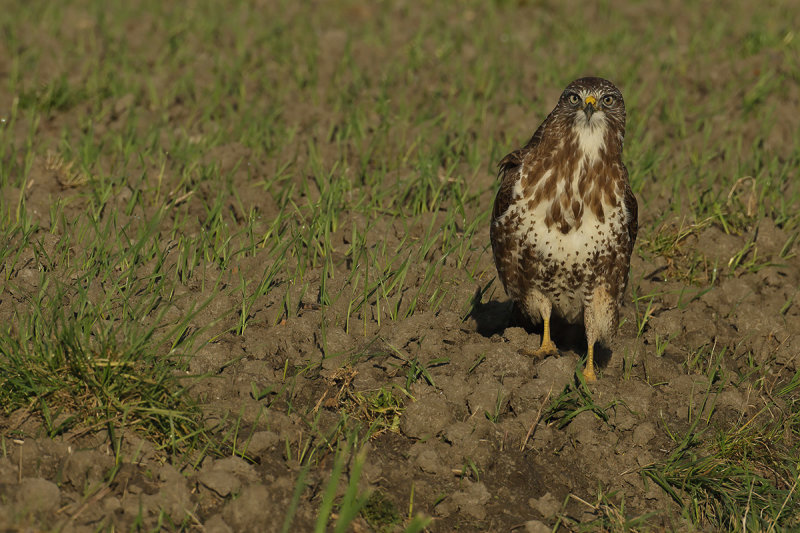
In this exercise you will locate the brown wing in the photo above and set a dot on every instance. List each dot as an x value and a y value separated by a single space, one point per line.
503 245
537 135
507 168
501 233
633 209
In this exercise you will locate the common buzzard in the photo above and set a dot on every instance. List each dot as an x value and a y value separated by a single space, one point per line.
565 219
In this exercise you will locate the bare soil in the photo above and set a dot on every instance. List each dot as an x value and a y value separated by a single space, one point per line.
474 448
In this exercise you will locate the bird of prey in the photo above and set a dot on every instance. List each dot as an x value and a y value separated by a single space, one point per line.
565 219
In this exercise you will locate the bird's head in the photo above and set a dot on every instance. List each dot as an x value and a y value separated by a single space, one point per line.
593 103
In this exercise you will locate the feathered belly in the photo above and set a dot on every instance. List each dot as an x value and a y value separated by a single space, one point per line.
564 267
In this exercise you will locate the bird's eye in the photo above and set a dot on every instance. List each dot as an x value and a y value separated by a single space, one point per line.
608 100
573 98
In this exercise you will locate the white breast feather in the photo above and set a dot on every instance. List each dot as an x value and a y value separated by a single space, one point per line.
574 248
591 135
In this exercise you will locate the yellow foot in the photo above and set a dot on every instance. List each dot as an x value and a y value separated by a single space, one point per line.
547 349
589 375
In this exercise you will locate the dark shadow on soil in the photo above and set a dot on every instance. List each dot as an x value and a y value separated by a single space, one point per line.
491 318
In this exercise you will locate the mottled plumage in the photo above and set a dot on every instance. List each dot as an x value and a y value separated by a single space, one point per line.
565 219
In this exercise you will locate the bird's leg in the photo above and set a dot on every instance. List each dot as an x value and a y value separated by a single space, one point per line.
600 319
591 337
547 347
588 370
537 303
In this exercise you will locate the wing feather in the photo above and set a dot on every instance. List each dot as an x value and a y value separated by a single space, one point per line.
632 207
507 170
508 167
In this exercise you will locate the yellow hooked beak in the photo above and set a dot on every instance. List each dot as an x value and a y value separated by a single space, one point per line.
591 106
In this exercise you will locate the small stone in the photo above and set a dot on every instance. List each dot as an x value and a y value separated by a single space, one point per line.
111 504
583 428
124 103
472 500
518 337
225 476
733 399
249 508
535 526
173 497
85 468
236 466
427 417
216 524
643 433
428 461
489 397
547 505
624 420
458 432
8 471
221 482
38 495
262 441
556 373
644 458
445 509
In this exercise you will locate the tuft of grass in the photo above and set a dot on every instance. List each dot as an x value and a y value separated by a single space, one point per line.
380 512
380 409
90 352
573 400
672 242
743 478
612 516
373 507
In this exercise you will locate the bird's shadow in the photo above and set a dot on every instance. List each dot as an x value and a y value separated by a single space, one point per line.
493 317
